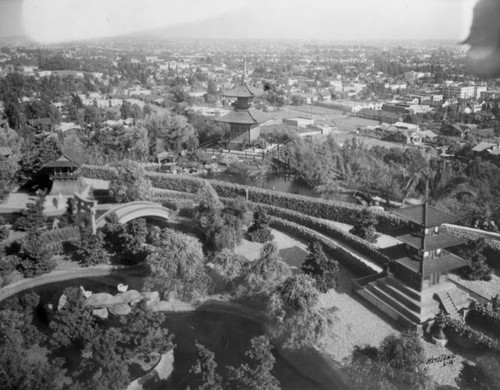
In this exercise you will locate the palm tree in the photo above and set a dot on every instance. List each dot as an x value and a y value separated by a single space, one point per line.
440 184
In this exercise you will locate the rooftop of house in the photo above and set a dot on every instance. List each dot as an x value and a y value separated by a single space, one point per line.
433 216
482 146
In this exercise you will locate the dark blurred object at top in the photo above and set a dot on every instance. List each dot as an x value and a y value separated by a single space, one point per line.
483 58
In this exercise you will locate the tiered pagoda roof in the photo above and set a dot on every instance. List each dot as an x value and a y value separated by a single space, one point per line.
429 217
248 117
426 216
446 262
243 91
431 243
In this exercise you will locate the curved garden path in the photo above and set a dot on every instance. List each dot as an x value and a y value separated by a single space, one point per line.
58 276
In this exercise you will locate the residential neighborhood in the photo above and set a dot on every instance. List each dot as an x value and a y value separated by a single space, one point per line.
239 209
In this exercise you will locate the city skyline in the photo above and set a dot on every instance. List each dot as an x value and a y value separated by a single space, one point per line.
49 21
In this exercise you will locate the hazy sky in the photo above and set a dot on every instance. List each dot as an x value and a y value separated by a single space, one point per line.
60 20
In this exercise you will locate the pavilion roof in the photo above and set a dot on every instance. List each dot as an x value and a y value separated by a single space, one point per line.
433 216
62 161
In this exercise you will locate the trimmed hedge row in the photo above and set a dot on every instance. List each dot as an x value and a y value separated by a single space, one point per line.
362 246
341 255
168 197
492 250
460 328
96 172
481 312
314 207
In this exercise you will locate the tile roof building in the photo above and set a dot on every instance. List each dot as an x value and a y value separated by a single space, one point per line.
244 121
415 286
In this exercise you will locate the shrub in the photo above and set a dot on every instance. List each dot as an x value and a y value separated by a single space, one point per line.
364 226
91 249
32 217
477 268
260 231
262 276
320 267
4 232
397 364
343 256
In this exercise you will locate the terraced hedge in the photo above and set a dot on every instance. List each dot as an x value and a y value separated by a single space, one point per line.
314 207
341 255
460 328
362 246
492 250
96 172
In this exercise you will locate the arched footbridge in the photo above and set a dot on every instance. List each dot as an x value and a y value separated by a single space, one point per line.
129 211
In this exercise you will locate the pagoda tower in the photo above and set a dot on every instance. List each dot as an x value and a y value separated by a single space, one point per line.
244 121
416 287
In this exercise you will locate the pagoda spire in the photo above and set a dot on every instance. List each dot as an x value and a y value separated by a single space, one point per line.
244 77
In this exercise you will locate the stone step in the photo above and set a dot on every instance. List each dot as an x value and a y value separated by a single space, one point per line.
393 303
385 308
407 290
400 295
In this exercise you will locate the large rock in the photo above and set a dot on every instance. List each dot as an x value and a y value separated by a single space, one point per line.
121 309
107 300
131 296
102 300
100 313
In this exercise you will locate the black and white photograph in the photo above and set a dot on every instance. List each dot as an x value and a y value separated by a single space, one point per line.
249 195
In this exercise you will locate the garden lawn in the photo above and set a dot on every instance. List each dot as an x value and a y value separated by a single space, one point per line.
353 325
251 250
443 374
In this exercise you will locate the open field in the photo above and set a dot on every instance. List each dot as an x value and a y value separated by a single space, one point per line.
340 138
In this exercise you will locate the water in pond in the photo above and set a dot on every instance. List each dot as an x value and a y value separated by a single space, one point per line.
278 182
226 334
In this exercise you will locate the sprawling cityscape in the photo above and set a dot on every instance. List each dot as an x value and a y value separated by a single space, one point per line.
247 213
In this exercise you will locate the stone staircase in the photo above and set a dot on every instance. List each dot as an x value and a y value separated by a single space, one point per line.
452 301
410 306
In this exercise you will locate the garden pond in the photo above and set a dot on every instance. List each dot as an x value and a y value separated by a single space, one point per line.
224 332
